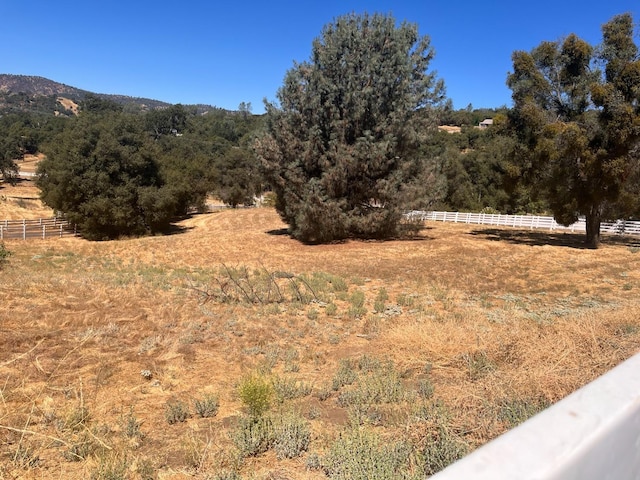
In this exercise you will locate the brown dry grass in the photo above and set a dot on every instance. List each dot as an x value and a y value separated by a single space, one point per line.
22 200
492 315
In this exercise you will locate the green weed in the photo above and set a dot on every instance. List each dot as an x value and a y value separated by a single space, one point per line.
515 411
359 454
253 435
289 389
256 393
176 411
291 436
207 406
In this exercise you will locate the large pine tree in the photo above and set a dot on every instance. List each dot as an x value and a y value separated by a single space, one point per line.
342 147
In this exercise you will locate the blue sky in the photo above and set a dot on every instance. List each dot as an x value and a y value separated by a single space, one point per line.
224 53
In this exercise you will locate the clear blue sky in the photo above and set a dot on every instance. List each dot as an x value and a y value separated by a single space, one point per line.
224 53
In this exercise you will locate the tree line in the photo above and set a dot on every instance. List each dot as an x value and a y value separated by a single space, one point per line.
352 142
115 173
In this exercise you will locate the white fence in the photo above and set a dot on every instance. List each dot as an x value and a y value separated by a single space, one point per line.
592 434
40 228
620 227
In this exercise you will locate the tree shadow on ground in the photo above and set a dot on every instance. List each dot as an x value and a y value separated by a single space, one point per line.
174 229
6 185
278 231
406 238
554 239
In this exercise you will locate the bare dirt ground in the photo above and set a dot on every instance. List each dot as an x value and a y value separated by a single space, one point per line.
486 317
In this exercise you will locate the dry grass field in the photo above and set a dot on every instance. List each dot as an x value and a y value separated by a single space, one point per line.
143 358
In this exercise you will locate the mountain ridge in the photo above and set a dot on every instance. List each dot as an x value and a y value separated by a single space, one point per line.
21 92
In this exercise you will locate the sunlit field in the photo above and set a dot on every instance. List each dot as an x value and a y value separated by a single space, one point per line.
149 357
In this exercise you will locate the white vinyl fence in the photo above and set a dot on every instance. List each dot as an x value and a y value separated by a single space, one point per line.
620 227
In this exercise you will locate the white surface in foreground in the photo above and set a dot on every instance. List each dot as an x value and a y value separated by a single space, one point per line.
593 434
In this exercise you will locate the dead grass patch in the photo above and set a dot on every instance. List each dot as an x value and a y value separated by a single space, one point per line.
470 323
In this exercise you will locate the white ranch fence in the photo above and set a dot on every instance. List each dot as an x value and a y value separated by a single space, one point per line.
39 228
620 227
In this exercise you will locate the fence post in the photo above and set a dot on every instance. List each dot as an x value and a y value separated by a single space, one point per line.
24 229
44 231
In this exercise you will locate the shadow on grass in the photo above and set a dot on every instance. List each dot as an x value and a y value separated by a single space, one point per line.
174 229
554 239
278 231
406 238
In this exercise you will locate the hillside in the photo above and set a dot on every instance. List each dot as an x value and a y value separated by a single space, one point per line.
27 93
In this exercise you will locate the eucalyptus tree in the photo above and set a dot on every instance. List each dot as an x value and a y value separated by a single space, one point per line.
577 115
342 147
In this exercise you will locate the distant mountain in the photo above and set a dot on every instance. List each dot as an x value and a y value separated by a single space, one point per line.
20 93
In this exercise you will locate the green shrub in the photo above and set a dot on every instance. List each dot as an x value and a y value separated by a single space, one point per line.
24 457
207 406
515 411
4 255
345 375
256 393
131 426
404 300
77 419
357 309
357 299
425 388
80 448
439 445
291 436
359 454
379 302
380 386
441 449
375 382
226 475
288 389
176 411
253 435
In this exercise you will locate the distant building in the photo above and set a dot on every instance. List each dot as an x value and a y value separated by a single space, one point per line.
486 123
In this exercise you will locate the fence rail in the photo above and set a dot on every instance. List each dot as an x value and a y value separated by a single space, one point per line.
592 434
620 227
58 227
40 228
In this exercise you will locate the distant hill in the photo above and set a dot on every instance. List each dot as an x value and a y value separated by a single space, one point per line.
27 93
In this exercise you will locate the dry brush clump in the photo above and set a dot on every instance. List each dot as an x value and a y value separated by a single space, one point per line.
424 349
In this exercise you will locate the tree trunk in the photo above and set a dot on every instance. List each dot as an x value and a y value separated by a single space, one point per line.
593 227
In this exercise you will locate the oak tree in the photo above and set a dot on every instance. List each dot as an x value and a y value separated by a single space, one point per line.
101 172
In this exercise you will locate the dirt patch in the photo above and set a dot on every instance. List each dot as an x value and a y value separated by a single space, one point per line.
69 104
